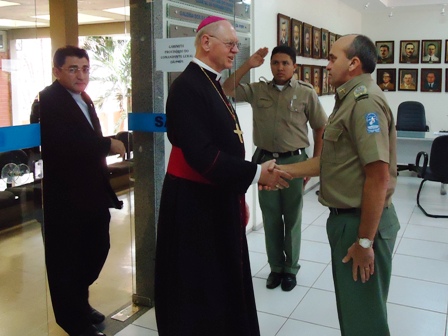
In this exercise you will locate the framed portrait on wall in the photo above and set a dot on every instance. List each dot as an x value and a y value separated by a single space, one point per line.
431 80
332 40
386 79
325 44
385 52
317 43
431 51
409 51
2 41
296 36
317 79
283 30
307 32
324 81
446 79
446 51
297 72
408 79
306 73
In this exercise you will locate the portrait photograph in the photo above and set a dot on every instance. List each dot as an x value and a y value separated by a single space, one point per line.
283 30
446 80
325 90
386 79
296 36
410 51
325 44
385 52
408 79
446 51
306 73
431 80
306 46
297 72
332 40
316 42
431 51
317 79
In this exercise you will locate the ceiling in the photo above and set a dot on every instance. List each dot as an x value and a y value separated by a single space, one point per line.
35 13
385 6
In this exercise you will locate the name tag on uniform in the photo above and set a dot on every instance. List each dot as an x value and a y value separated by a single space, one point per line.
372 123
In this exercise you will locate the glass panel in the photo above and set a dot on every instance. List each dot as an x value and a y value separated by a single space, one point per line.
23 294
26 68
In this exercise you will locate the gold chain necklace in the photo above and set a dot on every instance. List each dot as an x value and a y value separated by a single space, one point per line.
237 129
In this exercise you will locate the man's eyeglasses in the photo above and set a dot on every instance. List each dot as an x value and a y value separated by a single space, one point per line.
229 45
72 70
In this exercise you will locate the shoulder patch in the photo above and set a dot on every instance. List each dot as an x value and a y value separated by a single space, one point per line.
372 123
360 93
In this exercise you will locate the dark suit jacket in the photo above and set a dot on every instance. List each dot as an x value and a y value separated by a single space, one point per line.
74 155
435 87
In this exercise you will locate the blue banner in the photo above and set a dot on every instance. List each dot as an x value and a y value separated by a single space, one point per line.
147 122
19 137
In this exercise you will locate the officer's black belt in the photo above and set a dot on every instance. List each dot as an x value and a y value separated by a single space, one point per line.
339 211
285 154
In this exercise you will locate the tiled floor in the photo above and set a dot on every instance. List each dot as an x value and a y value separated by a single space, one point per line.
418 299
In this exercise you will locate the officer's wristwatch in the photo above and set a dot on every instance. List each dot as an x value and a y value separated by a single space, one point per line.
365 242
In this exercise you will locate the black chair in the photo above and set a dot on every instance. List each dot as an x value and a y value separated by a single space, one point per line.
411 117
436 171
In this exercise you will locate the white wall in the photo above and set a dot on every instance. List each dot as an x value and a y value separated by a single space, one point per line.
420 25
328 14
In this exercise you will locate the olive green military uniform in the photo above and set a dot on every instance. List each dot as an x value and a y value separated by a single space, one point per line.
281 116
361 130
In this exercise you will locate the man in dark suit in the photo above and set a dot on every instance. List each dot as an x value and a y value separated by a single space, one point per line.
76 191
430 83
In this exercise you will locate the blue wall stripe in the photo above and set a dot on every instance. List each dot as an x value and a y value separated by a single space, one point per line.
26 136
147 122
18 137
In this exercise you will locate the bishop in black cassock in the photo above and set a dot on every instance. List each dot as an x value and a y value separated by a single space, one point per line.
203 283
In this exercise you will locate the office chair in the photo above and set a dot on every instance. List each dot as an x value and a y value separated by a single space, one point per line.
411 117
437 171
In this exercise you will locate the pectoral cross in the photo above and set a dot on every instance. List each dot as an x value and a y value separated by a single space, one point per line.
239 132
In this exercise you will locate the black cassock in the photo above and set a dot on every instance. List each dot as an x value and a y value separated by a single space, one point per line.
203 283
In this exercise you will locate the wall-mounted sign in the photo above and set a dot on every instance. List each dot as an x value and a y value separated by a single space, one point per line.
174 54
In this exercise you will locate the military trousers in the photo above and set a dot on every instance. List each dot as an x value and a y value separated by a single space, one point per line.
282 220
362 306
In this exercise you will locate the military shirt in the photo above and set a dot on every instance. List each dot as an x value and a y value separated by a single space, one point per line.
280 116
360 130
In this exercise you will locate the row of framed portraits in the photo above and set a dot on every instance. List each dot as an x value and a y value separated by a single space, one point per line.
412 51
387 79
408 79
316 75
305 39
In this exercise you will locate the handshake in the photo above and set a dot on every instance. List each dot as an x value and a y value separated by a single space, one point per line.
272 177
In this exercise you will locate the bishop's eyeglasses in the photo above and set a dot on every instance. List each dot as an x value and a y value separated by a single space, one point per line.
72 70
229 45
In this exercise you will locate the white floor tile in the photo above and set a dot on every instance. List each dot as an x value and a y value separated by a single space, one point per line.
315 233
424 249
318 307
418 294
147 320
133 330
314 251
420 268
325 281
257 262
275 301
415 322
429 233
270 324
295 328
